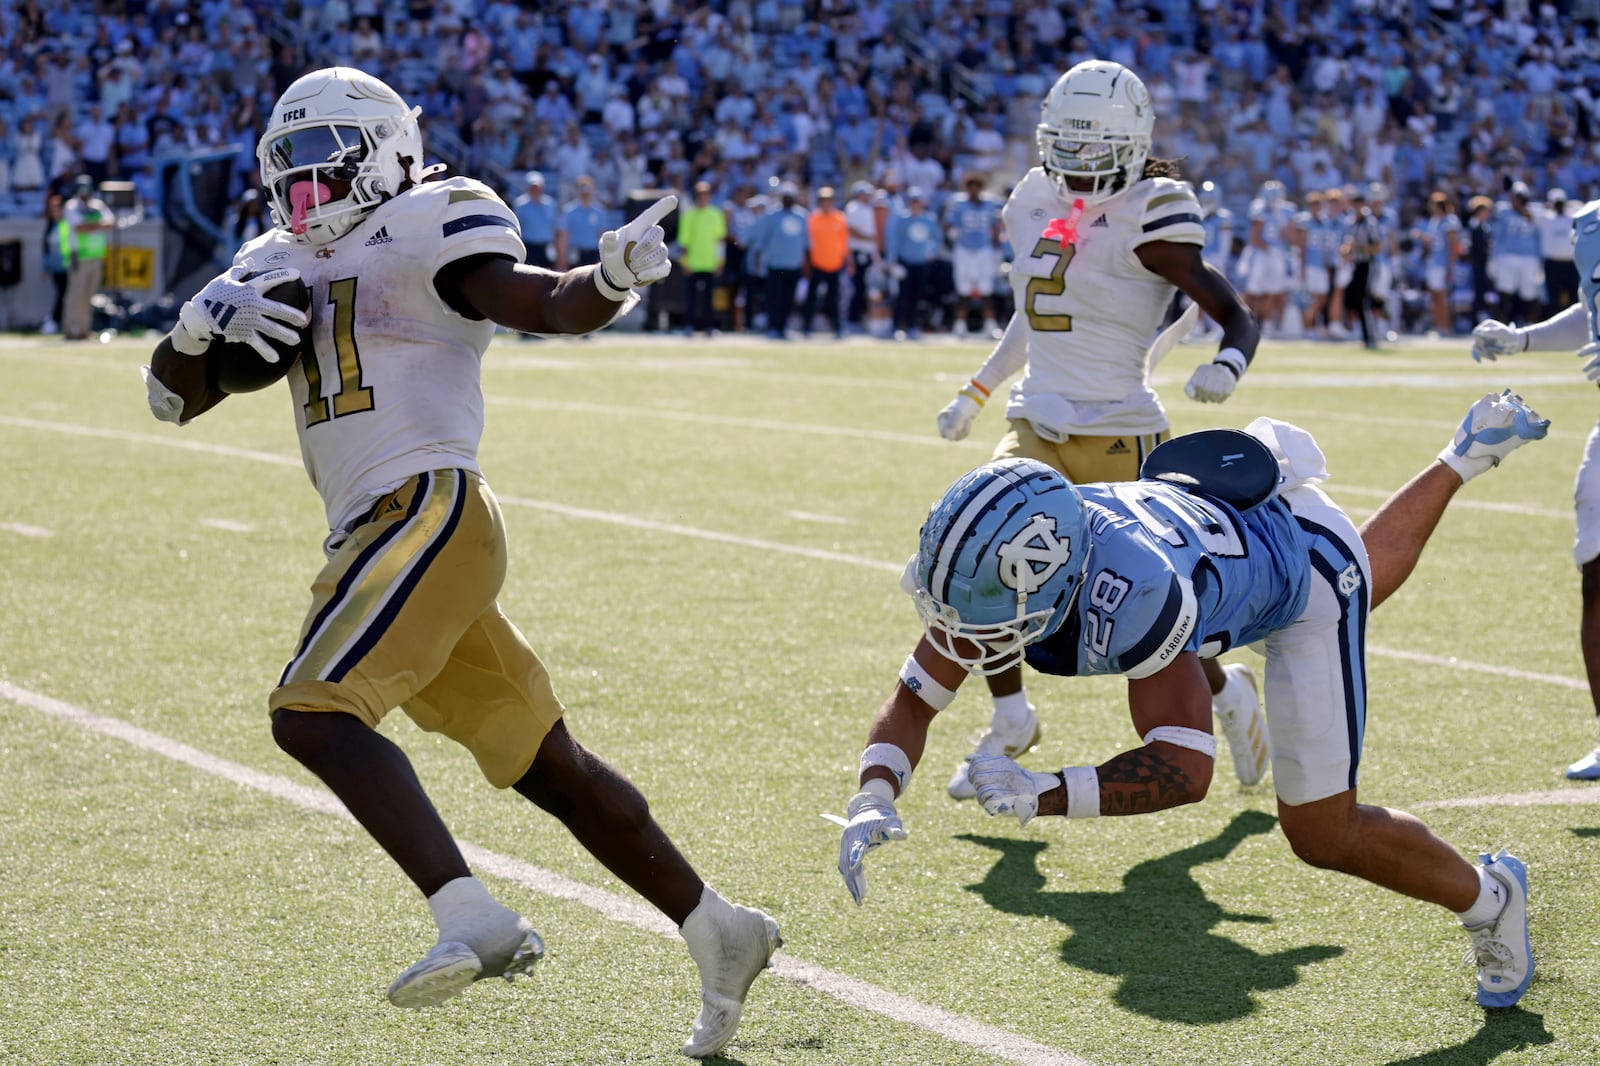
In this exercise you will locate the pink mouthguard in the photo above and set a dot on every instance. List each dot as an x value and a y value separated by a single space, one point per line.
303 195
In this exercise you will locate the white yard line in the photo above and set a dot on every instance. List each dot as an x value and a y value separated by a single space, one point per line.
636 522
956 1028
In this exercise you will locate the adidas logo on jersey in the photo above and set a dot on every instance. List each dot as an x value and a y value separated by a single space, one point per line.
1101 222
381 237
1118 446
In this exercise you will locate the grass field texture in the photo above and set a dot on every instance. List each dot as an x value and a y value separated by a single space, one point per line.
705 542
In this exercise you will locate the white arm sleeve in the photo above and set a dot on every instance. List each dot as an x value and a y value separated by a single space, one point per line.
1008 357
1567 331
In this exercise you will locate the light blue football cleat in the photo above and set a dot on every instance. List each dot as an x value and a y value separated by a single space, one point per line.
1500 948
1494 427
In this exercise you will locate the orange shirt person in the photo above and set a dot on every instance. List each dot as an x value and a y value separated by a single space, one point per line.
830 251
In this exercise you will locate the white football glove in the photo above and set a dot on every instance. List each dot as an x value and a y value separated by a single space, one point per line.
239 312
1214 382
1006 788
1591 368
635 254
872 822
1491 340
955 421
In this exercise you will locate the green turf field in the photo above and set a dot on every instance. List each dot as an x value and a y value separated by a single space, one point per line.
705 539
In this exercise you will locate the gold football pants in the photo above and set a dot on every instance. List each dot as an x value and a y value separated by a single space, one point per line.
404 615
1081 459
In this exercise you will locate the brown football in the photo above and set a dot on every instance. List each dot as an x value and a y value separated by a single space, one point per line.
235 367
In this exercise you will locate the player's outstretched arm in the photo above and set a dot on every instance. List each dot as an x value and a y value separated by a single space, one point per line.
577 301
1566 330
1182 265
895 743
1494 427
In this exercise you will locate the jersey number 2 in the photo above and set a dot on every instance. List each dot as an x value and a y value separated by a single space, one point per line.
352 395
1052 284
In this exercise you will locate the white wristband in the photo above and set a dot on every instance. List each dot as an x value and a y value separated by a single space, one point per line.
1083 791
918 680
610 291
189 335
1233 359
1193 739
891 758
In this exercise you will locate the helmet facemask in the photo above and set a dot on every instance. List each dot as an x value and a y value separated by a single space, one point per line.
1094 170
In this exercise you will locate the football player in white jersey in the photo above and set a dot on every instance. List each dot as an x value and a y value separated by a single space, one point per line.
408 277
1103 236
1228 540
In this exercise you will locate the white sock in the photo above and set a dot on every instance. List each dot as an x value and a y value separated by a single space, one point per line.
700 924
1491 900
465 912
1013 718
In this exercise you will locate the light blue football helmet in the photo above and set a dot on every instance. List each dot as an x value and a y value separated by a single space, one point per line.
1001 558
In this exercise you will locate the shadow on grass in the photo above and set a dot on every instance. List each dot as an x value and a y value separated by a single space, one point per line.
1587 831
1503 1030
1156 933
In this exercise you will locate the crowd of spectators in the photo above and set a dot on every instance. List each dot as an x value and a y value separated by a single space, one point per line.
1423 96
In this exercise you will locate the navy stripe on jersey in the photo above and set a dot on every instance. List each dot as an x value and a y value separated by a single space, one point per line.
376 627
1059 652
466 222
1160 630
1171 220
1330 557
353 573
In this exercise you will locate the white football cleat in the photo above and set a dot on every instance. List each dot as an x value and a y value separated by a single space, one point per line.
1244 725
1586 768
992 743
731 945
450 966
1501 950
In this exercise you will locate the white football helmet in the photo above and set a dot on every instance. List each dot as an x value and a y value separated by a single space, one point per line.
1095 129
343 126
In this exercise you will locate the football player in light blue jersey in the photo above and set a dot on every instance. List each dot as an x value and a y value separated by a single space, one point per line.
1441 249
1226 540
1269 275
1382 292
972 223
1575 329
1319 247
1514 264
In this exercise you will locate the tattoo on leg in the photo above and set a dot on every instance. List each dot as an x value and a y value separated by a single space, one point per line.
1140 781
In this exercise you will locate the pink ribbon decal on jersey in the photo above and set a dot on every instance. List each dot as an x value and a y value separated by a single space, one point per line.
1064 231
303 195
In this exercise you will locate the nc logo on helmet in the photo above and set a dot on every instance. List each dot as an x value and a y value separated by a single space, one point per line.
1034 555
